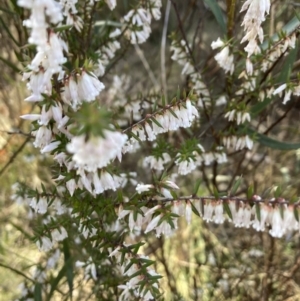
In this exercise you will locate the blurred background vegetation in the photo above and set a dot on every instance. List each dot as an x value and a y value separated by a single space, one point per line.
202 261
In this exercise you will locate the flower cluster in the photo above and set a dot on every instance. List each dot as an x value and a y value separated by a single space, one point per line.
171 119
139 25
101 150
237 143
224 58
255 15
137 22
81 87
240 116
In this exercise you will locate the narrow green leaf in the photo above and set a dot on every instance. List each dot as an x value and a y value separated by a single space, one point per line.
62 28
173 113
236 186
8 31
250 192
69 265
216 10
156 122
163 100
178 93
194 209
38 292
286 29
260 106
287 66
197 186
296 213
227 209
216 193
272 143
10 64
278 192
55 281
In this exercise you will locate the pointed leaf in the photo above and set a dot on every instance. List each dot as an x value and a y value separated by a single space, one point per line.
216 10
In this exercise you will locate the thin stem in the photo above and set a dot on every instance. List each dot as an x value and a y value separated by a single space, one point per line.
163 52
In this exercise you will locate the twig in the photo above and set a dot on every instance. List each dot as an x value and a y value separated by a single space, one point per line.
13 157
163 51
141 55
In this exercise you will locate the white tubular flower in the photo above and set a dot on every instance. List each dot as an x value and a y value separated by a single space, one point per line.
217 44
40 82
150 132
219 214
155 6
139 22
259 224
249 67
89 87
153 224
37 21
50 56
43 137
287 96
97 152
39 206
157 163
208 211
278 229
111 4
143 188
86 87
188 212
185 167
70 93
71 186
165 228
225 60
45 244
59 207
59 234
50 147
279 89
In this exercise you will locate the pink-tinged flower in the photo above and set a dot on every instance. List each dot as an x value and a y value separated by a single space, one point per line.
259 225
219 214
208 211
278 229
